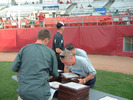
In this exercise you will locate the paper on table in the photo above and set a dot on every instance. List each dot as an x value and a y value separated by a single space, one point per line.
70 75
74 85
54 84
108 98
60 70
52 91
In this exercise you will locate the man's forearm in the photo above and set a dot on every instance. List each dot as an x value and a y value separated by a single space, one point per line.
66 69
89 77
58 50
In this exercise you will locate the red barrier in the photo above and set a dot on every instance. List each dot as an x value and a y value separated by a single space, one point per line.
123 31
53 31
7 40
71 35
26 36
93 39
98 40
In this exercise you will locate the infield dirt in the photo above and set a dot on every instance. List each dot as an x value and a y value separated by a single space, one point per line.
104 62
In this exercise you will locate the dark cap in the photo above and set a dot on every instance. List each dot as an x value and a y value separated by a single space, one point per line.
69 46
60 24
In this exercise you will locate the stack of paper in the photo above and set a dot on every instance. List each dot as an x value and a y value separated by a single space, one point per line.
54 84
108 98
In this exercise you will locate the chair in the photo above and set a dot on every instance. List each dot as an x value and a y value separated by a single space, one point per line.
101 22
115 20
85 24
108 23
125 20
67 22
37 26
23 24
53 23
90 24
10 26
48 23
94 23
131 22
86 21
14 24
79 22
72 23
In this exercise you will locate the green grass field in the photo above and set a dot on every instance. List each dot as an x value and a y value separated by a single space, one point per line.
110 82
7 85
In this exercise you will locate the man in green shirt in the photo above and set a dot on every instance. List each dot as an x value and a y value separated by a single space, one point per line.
34 63
116 12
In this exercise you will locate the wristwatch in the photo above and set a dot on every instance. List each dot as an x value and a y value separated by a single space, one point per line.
84 81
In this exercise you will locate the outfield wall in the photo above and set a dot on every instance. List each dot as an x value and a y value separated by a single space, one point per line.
107 40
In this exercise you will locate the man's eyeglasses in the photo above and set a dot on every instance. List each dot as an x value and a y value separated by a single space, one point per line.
61 56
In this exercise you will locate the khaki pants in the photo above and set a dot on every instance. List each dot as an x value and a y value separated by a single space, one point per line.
22 99
19 98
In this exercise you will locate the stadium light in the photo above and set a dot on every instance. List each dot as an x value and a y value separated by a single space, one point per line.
19 14
8 2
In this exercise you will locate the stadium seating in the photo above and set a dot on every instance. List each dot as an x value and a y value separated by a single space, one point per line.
121 5
77 16
77 21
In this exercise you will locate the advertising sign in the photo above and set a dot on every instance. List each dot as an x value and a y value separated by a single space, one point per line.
50 8
101 10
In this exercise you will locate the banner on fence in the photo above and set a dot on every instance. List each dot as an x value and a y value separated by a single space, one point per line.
101 10
49 8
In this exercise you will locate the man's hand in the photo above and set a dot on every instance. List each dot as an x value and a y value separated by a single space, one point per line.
81 81
58 50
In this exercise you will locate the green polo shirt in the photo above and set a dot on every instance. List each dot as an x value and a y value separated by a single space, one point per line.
34 63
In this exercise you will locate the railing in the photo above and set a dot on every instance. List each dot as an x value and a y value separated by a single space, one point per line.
73 21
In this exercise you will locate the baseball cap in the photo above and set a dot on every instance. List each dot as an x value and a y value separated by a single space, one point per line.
60 24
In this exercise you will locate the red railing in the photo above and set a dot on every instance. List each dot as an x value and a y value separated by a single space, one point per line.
74 21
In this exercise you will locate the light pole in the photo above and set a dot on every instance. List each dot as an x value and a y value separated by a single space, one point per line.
19 15
8 2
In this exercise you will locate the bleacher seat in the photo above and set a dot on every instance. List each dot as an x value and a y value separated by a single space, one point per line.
121 5
80 17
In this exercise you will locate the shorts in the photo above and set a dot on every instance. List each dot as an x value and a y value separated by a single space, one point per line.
40 22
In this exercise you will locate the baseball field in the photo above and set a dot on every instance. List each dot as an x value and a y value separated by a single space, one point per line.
114 75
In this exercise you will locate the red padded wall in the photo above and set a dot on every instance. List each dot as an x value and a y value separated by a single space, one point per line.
7 40
106 40
98 40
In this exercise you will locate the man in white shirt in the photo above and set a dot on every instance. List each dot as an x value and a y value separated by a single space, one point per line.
79 65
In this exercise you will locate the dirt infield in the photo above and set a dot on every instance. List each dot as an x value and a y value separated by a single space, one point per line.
103 62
